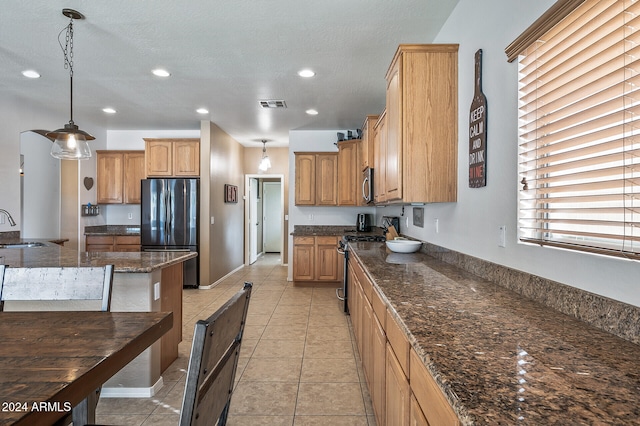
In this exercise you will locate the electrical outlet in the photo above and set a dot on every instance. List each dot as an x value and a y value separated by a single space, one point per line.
502 236
310 217
437 224
212 220
130 216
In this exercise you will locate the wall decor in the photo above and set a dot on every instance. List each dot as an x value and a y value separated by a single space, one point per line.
88 183
478 131
230 193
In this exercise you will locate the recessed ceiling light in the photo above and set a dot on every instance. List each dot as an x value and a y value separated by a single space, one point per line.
202 111
306 73
109 110
311 112
161 73
31 74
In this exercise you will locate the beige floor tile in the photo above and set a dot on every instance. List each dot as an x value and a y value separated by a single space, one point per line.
288 319
320 370
287 332
330 420
259 420
121 419
330 399
162 420
264 399
328 349
272 370
328 333
279 349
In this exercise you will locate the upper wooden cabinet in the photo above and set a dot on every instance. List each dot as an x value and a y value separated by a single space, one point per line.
349 174
172 157
118 176
380 159
316 179
421 125
366 147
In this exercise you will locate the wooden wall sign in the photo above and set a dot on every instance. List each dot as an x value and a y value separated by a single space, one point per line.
230 193
478 131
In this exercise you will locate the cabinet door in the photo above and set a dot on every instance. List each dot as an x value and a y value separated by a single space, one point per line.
303 258
133 173
305 192
377 387
348 173
380 159
326 179
127 243
398 392
327 259
99 243
366 148
393 163
159 157
367 334
186 158
416 416
109 177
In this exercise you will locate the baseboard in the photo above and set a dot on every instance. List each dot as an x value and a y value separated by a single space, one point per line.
132 392
210 286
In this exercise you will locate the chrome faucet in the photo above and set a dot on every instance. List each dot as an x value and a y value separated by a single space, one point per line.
11 221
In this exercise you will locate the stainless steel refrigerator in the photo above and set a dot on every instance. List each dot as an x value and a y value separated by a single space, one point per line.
169 220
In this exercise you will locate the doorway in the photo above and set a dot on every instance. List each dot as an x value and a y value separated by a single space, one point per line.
264 216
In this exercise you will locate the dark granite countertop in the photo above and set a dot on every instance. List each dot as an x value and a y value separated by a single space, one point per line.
112 230
331 230
502 359
54 255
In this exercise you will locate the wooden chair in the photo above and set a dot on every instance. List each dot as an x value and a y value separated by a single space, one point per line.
57 284
213 362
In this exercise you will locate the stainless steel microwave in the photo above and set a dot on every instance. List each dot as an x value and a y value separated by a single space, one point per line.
367 185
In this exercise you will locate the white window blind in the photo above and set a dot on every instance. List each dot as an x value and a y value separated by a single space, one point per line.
579 121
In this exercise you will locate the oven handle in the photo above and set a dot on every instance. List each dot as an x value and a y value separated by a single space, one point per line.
339 250
338 291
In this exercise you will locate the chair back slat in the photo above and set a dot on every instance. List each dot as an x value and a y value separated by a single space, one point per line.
213 362
57 284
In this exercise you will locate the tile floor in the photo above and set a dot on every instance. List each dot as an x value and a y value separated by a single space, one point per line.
298 363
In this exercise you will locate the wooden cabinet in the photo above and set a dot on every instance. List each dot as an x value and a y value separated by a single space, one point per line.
315 259
316 179
172 157
420 161
171 301
118 176
349 173
398 392
402 389
112 243
380 158
366 147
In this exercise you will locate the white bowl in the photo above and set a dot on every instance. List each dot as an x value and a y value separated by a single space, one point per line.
404 246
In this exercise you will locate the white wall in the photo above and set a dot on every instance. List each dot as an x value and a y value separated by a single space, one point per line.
321 141
471 225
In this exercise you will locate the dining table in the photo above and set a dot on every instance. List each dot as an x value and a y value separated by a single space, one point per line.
52 363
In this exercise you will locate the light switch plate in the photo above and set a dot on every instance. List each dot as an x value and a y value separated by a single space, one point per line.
156 291
502 236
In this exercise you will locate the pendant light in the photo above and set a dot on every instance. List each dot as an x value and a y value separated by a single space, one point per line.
265 163
70 143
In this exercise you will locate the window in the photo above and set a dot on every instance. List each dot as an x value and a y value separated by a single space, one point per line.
579 129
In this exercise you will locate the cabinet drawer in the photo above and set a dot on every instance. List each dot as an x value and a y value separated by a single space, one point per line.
432 401
127 239
379 307
398 341
99 239
99 247
304 240
327 241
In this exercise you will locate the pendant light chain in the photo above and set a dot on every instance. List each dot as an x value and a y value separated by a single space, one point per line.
67 50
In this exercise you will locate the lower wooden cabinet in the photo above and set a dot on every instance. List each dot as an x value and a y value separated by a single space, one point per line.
171 301
315 259
113 243
402 390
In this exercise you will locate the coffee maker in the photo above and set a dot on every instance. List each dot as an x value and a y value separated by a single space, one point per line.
363 222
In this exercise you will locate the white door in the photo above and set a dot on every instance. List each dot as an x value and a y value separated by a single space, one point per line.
254 220
272 205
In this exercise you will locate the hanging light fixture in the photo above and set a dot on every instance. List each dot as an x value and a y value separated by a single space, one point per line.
70 142
265 163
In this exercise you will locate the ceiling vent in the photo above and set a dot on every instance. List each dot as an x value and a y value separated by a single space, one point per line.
273 104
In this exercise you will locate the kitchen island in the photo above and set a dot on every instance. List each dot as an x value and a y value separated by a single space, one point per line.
495 356
143 282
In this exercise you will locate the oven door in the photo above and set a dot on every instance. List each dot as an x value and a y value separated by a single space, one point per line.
367 185
342 293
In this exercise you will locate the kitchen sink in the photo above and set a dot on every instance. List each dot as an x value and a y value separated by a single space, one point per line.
23 245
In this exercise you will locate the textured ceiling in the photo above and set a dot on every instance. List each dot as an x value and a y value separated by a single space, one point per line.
223 55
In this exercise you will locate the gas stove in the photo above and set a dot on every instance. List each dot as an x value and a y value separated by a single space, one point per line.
364 238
